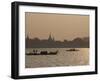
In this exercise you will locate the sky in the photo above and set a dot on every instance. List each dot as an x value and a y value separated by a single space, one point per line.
61 26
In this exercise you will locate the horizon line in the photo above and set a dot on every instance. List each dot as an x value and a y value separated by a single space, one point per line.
58 40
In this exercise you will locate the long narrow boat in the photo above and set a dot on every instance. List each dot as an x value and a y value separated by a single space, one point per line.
73 49
43 53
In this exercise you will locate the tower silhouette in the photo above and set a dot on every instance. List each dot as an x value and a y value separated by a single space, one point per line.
50 38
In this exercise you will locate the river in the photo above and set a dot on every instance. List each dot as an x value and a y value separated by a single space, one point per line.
62 58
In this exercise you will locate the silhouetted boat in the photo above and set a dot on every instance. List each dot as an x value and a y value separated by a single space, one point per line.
29 53
73 49
43 53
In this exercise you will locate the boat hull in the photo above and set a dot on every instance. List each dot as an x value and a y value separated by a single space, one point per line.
43 53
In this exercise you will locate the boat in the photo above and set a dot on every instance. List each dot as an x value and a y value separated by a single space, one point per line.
29 53
73 49
43 53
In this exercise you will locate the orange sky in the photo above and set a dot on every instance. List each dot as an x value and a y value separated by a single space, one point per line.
59 25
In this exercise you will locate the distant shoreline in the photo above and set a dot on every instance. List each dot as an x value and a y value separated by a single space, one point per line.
52 43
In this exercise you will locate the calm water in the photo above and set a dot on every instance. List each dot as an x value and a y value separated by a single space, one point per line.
63 58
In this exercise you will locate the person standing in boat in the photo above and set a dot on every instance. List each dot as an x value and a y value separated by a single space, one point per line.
35 51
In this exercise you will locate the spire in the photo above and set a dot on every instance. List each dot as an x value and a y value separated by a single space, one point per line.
50 38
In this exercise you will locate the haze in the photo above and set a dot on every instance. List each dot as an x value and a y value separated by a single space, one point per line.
60 26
